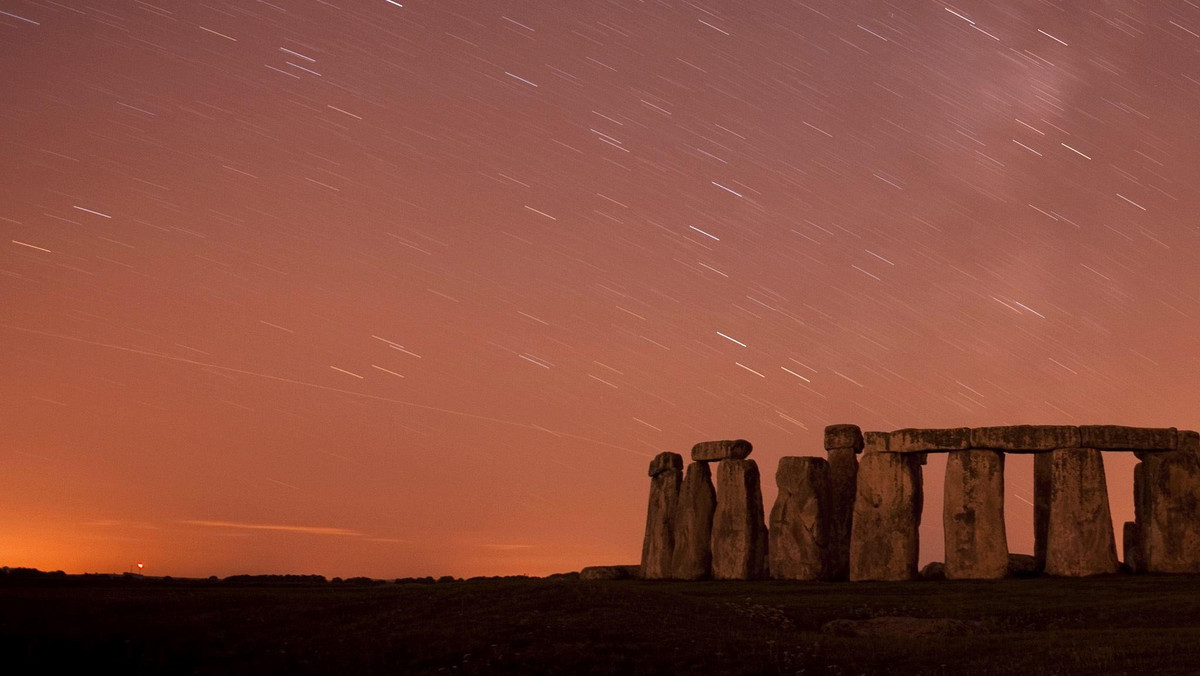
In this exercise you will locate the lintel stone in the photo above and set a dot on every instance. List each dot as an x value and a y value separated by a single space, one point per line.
726 449
875 442
925 440
1121 438
665 462
1025 438
843 436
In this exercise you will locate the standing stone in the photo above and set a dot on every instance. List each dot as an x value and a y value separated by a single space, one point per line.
973 515
800 520
1167 504
843 443
739 534
1132 548
692 559
1079 535
658 545
1041 507
843 470
884 539
843 436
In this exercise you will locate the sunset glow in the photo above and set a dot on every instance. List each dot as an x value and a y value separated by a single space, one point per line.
405 289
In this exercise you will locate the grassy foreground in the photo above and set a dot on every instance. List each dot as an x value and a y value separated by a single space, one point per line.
1111 625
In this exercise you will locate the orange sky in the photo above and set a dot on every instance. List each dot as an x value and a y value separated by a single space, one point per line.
420 290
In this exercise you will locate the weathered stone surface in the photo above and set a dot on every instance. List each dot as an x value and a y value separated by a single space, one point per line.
1186 440
903 627
800 520
1022 565
1041 507
659 542
1119 438
843 436
843 471
923 440
1131 548
934 570
666 462
692 559
1025 438
739 533
609 572
973 515
875 442
1167 505
887 514
1079 535
727 449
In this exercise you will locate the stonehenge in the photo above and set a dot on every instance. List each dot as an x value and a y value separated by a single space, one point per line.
739 534
659 543
856 514
692 558
884 538
843 443
973 515
800 525
1079 533
1166 535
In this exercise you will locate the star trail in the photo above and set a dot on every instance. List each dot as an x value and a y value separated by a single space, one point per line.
379 288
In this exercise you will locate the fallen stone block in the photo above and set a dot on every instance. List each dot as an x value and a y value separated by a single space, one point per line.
934 570
609 572
1022 565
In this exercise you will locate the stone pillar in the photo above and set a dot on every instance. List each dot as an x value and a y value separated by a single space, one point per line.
973 515
1079 533
800 520
739 534
843 443
659 543
884 541
692 559
1132 548
1167 501
1041 507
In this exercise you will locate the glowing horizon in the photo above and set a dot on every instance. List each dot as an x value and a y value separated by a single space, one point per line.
408 289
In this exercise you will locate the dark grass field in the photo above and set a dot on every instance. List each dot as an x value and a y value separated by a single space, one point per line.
1113 625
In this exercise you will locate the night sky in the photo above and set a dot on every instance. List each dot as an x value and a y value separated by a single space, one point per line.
419 288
